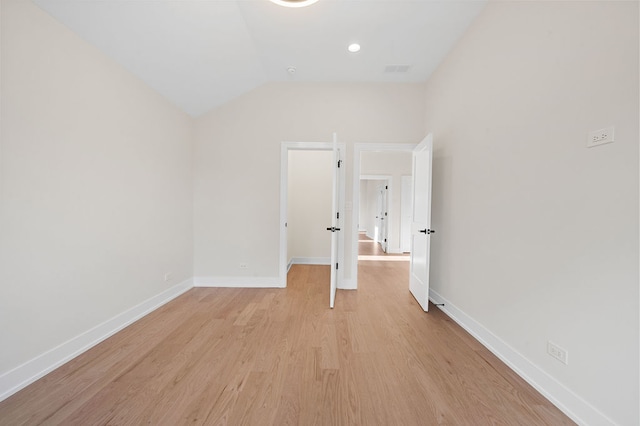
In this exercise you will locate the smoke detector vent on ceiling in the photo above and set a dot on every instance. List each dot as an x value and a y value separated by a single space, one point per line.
397 68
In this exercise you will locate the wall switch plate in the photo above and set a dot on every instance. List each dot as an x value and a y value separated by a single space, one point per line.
558 353
600 137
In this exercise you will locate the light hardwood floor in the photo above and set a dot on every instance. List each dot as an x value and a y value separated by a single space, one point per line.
281 357
368 247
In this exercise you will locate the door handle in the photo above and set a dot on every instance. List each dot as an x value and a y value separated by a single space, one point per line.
428 231
333 229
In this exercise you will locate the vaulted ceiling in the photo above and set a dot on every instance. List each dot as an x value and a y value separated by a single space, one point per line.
202 53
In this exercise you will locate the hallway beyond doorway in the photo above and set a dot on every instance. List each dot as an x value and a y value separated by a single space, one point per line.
370 250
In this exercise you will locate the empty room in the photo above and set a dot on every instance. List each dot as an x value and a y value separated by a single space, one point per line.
168 257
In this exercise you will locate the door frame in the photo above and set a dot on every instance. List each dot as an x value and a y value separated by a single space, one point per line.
285 147
358 148
405 242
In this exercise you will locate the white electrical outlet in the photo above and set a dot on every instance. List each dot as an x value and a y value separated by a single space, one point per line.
167 276
557 352
600 137
243 266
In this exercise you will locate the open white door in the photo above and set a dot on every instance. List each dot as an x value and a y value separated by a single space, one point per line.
336 219
382 216
421 221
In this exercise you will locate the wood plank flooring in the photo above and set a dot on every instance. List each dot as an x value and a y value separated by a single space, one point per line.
281 357
368 247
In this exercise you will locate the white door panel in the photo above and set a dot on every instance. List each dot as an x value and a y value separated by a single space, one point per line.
382 216
421 221
336 220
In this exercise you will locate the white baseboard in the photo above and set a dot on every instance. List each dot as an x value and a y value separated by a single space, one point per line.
579 410
349 284
310 261
23 375
239 282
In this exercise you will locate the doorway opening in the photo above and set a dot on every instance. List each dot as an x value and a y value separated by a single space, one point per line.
374 210
378 212
316 191
309 207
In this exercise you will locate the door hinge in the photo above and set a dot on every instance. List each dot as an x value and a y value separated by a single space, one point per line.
338 215
386 187
336 265
385 240
385 213
339 162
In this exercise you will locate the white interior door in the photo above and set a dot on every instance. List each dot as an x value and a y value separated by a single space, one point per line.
336 219
382 216
421 221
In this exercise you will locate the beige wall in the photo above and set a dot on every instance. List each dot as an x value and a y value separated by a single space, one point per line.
538 234
237 161
95 187
310 186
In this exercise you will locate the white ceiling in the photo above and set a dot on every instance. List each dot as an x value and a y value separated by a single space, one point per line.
202 53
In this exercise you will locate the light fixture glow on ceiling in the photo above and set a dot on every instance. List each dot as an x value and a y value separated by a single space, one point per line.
354 47
294 3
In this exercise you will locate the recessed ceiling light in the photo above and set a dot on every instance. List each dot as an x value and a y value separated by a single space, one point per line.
294 3
354 47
